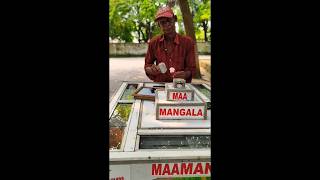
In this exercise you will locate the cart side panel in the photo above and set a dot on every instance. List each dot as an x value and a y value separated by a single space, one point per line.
160 170
119 172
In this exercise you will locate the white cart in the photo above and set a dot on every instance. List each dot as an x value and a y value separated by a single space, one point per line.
142 147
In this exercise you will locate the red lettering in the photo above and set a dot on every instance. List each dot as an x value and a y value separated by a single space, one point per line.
179 96
193 114
166 170
163 112
174 95
156 170
185 96
198 169
208 168
200 113
175 169
176 112
188 112
182 112
118 178
186 170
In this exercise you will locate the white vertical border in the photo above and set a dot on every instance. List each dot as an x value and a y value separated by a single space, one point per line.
130 141
116 97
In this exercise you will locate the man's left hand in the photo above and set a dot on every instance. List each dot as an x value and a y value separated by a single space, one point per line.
181 74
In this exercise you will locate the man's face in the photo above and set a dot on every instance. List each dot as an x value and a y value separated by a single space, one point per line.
167 25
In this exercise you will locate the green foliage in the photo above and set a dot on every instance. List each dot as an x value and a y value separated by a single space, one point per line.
120 24
201 10
133 17
122 111
199 34
129 19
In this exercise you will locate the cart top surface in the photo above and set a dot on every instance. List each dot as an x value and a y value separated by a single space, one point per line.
141 122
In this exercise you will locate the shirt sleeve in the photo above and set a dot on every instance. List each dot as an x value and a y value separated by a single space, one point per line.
190 64
149 60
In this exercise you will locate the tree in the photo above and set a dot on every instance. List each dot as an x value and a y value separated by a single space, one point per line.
189 28
129 17
144 16
201 15
120 23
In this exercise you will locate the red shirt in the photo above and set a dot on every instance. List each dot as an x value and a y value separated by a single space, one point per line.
182 57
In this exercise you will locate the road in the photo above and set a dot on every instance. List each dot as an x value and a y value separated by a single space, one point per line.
128 69
125 69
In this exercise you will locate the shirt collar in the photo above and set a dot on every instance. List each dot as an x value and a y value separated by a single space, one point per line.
176 39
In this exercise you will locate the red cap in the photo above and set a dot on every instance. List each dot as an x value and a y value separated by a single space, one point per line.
164 12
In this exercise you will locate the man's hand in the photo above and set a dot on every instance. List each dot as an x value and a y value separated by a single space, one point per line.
182 74
153 70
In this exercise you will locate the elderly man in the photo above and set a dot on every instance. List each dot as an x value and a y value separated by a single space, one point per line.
174 52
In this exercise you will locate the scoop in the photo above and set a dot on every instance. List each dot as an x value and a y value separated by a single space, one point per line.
162 67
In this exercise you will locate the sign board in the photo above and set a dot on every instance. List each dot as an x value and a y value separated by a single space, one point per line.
178 94
183 169
156 170
148 120
194 112
179 110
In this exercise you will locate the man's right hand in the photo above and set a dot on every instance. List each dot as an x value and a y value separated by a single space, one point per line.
153 70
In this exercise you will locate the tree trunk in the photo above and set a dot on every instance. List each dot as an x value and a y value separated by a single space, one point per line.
205 29
139 34
139 25
147 32
188 24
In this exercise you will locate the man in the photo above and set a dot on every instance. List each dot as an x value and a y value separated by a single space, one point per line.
174 50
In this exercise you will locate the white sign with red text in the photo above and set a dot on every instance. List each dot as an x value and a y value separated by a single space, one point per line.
181 112
165 170
183 169
160 170
178 94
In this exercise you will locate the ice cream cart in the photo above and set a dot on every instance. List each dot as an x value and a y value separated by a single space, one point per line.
143 147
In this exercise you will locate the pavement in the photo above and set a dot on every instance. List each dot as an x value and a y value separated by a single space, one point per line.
131 69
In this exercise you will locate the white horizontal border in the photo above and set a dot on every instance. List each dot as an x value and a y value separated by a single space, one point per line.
160 155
